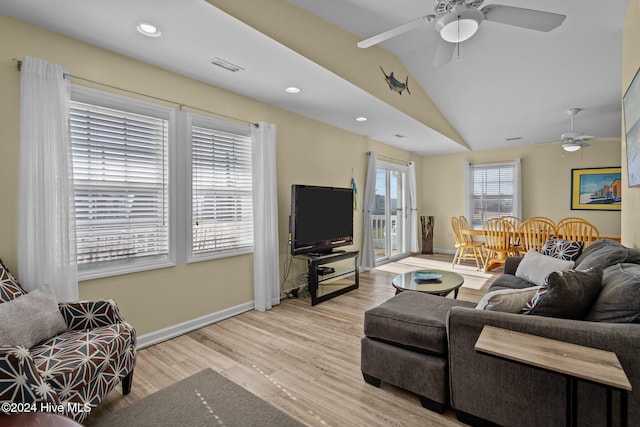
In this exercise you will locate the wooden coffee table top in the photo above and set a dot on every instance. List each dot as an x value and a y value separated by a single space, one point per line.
449 281
578 361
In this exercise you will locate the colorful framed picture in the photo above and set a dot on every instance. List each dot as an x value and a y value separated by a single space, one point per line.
631 102
598 189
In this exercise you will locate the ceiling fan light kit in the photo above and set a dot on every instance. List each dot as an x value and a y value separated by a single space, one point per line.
571 146
460 25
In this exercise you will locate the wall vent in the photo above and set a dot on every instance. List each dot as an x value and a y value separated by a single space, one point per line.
225 64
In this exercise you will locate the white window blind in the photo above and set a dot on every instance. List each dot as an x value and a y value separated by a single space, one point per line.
494 191
120 167
222 199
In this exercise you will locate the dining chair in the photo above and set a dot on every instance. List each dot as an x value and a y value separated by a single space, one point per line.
499 241
466 248
547 219
534 232
512 219
577 229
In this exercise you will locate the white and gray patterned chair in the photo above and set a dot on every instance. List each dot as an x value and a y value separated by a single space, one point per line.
76 368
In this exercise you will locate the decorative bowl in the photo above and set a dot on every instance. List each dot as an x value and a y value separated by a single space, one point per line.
427 275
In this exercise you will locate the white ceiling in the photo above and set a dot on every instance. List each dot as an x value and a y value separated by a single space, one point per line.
509 82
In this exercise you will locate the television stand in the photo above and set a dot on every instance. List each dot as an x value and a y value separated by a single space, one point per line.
329 282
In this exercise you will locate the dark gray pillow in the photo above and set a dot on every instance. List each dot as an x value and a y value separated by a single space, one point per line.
567 294
601 253
619 299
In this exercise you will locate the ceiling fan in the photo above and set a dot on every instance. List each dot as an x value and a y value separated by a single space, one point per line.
458 20
574 141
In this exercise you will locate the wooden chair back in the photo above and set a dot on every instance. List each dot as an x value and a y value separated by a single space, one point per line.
578 229
464 224
455 226
499 235
512 219
534 232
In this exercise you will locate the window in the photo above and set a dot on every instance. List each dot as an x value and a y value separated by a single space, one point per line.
221 189
120 150
126 167
492 190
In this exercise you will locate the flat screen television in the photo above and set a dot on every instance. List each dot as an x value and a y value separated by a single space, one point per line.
321 218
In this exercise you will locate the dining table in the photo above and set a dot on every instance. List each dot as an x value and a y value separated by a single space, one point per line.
499 261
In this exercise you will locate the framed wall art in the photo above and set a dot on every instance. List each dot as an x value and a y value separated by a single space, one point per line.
598 189
631 103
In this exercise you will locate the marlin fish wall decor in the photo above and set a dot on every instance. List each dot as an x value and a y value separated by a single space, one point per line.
395 84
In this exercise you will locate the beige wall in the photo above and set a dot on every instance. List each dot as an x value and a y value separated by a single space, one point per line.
546 182
308 152
630 64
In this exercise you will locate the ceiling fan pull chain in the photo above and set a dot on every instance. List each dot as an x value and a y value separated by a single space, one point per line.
458 44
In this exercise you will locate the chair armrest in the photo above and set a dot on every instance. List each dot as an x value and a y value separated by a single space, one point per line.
473 373
84 315
511 265
20 380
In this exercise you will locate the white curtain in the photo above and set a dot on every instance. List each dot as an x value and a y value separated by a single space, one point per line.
368 254
413 208
46 225
468 190
266 268
517 191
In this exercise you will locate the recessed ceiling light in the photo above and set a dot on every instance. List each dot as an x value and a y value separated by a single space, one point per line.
292 89
148 30
361 119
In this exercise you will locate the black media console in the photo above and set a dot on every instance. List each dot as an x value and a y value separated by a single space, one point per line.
326 282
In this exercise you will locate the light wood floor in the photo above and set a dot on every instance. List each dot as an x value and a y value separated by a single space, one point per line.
304 360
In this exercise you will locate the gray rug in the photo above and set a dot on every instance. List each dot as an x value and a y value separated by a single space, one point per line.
204 399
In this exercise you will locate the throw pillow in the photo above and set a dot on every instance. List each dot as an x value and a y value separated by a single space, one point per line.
30 319
507 300
535 267
619 299
567 294
562 249
9 287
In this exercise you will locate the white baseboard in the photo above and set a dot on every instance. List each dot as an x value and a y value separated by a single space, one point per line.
444 251
155 337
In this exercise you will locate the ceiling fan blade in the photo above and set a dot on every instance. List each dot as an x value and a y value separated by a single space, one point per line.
583 137
396 31
444 52
584 144
520 17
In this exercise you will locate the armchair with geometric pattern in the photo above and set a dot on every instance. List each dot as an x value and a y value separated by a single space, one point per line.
78 366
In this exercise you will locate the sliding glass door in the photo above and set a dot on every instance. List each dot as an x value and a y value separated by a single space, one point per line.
389 214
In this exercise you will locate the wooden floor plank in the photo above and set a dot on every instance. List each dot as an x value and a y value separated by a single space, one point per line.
300 358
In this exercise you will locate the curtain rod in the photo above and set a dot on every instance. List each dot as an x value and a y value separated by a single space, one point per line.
404 162
179 104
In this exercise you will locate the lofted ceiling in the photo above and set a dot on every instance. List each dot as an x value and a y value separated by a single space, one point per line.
503 83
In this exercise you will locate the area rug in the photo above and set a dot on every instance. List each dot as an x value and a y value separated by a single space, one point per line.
204 399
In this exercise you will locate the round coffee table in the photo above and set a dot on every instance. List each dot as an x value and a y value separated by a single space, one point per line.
449 281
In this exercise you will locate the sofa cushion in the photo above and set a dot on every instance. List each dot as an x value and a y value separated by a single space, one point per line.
562 249
9 287
75 362
507 300
605 253
535 267
567 294
619 299
412 319
30 318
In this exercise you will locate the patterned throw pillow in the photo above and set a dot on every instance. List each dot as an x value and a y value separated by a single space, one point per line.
562 249
9 287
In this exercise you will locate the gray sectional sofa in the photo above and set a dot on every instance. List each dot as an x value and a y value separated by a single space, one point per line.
425 344
483 387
